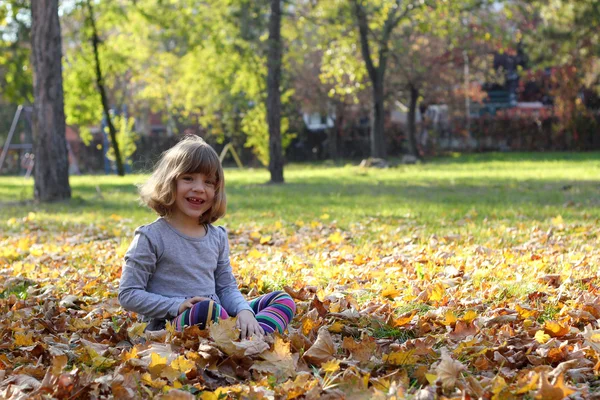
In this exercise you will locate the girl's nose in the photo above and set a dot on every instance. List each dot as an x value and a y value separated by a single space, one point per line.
199 187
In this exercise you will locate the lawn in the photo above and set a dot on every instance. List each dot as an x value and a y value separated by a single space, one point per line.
473 274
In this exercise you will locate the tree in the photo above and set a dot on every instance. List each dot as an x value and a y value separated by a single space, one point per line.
51 163
101 88
273 94
394 12
15 52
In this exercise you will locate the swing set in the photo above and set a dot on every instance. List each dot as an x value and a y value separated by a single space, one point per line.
28 160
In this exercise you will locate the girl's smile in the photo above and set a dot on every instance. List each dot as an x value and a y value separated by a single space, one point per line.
193 197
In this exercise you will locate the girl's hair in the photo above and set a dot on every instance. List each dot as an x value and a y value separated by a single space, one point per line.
191 155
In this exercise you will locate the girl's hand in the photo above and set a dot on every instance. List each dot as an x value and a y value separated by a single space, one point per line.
189 303
248 325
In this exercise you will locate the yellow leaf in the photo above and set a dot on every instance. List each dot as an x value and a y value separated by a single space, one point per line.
98 361
308 325
331 366
449 318
209 396
437 292
529 383
171 374
23 340
336 327
541 337
278 225
390 291
157 364
136 330
182 365
360 260
255 254
158 383
299 223
469 316
131 354
335 238
224 333
558 221
314 224
170 328
431 378
401 358
265 239
255 235
526 313
325 216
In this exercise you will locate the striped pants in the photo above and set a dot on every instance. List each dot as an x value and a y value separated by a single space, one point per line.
273 311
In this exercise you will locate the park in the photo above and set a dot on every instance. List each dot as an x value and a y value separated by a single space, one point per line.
437 229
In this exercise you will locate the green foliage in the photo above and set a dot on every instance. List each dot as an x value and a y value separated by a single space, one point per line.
254 125
16 81
126 137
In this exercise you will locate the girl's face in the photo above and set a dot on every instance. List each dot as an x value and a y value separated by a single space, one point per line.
194 196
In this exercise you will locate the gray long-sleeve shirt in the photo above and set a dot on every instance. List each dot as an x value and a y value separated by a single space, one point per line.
163 267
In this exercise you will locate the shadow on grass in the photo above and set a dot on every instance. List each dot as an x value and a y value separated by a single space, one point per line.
572 157
394 199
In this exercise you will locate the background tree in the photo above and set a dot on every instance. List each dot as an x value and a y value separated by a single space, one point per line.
273 94
51 170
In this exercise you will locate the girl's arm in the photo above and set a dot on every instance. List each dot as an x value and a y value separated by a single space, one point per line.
225 284
140 264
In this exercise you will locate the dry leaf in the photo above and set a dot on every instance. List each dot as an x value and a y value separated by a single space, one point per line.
448 371
322 350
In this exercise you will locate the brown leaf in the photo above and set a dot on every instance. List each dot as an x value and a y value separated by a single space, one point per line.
322 350
175 394
448 371
462 330
278 361
361 351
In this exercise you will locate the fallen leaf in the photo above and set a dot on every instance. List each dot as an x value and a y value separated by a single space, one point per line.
322 350
448 371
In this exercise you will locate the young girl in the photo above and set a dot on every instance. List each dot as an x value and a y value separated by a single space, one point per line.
177 268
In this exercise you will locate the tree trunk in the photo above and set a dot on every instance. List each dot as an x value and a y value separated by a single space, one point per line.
274 95
100 83
412 123
377 121
51 173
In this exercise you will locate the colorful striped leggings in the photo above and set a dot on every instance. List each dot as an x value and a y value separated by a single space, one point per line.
273 312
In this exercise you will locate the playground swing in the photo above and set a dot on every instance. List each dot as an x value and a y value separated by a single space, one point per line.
23 146
229 148
28 160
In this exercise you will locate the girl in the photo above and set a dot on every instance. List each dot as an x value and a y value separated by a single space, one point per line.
177 268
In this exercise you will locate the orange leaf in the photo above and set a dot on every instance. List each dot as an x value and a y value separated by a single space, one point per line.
404 319
556 329
558 391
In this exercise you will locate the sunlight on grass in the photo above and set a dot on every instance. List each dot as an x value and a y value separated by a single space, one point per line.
459 195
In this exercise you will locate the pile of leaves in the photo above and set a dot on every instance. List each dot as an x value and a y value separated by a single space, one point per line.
383 312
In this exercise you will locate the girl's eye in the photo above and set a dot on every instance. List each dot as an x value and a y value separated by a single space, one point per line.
187 178
210 182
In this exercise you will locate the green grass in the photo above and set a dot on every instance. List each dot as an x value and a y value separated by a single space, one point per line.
463 194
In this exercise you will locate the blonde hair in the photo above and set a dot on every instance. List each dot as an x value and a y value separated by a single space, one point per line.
191 155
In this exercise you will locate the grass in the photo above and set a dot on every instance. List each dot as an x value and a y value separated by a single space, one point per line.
461 195
481 251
